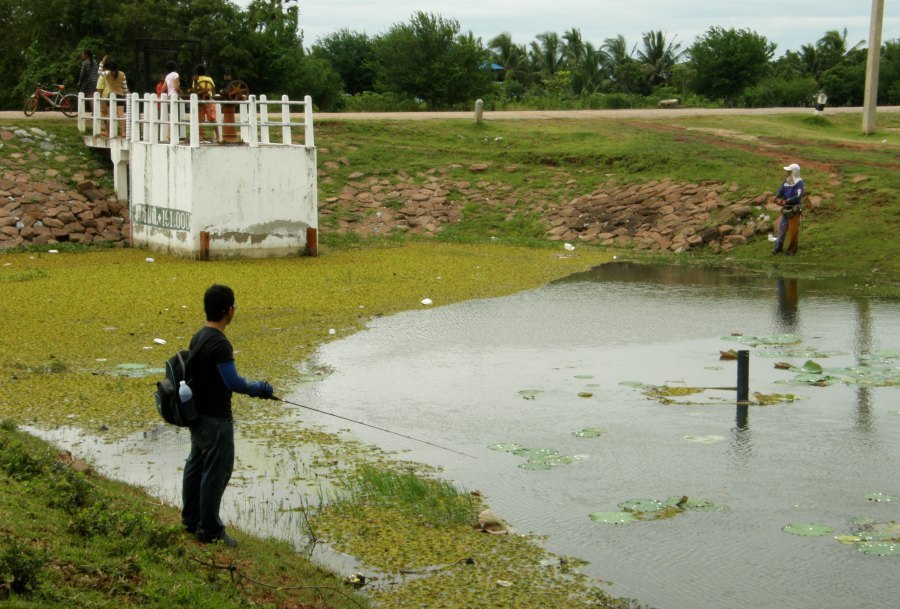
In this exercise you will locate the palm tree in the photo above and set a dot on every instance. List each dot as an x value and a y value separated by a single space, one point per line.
590 71
618 61
832 48
573 47
546 54
658 57
509 55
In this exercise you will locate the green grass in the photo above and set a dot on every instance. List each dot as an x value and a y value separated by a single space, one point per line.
70 539
433 501
554 161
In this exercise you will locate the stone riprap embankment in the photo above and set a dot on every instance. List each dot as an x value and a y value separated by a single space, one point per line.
46 198
651 216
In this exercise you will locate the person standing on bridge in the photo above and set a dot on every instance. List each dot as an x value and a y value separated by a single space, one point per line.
789 197
87 78
173 81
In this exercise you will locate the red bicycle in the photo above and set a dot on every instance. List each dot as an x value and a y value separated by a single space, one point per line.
54 97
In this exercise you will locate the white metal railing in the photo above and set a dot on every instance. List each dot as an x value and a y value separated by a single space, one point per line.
162 120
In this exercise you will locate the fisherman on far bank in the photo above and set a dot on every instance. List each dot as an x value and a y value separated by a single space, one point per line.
789 198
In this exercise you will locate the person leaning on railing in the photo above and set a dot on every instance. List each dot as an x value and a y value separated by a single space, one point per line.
206 89
112 80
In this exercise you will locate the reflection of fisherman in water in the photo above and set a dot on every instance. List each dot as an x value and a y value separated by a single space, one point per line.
787 303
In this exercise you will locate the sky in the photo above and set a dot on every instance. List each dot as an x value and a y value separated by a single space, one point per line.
788 24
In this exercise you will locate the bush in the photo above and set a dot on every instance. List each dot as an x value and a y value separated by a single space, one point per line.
369 101
20 566
69 490
17 462
777 92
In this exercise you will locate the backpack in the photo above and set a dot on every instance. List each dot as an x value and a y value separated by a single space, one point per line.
168 403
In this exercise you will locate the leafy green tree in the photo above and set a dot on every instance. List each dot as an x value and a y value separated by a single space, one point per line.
845 82
428 59
727 61
889 73
658 57
352 55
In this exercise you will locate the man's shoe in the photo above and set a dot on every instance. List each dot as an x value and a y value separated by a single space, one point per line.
221 537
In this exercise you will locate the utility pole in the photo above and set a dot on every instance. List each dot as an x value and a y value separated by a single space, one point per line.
874 57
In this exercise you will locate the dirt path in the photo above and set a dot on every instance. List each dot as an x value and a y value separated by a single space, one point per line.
531 114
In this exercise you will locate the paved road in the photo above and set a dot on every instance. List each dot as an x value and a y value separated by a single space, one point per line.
532 114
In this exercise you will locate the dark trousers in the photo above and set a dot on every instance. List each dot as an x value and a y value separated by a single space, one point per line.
206 474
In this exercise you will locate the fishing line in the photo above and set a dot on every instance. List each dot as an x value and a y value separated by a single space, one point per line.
331 414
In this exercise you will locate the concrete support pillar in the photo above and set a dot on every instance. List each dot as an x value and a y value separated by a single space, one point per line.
118 153
870 100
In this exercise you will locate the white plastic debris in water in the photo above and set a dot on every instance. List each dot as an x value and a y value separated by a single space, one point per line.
615 257
772 238
149 260
332 331
52 251
569 247
426 301
159 341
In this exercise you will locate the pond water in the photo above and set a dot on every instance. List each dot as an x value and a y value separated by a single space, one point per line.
454 376
510 370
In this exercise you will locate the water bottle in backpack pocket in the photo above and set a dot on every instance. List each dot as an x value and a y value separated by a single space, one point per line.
174 398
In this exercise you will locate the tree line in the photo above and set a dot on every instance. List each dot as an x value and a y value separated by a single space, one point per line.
426 62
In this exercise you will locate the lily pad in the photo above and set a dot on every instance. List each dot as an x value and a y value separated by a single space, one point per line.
585 394
880 548
589 432
880 497
774 339
808 529
535 454
811 367
613 517
848 539
696 504
530 394
641 505
636 384
507 447
862 521
584 376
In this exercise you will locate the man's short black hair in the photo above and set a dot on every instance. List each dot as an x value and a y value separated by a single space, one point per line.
171 66
216 301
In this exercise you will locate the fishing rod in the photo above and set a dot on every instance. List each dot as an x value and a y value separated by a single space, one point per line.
331 414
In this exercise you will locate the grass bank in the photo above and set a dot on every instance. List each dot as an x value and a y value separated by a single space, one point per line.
72 539
851 180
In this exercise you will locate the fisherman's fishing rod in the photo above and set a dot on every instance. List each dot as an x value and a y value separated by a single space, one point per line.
331 414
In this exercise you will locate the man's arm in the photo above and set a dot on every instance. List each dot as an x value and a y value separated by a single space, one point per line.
238 384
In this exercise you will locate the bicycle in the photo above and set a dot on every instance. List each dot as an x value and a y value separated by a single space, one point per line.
54 97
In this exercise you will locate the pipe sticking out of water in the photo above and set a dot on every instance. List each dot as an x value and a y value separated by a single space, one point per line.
331 414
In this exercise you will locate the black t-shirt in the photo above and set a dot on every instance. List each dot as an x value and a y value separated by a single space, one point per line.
212 396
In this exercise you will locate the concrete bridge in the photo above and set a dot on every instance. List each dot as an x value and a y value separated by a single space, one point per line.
211 178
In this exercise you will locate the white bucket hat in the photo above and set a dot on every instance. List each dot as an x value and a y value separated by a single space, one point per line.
792 167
